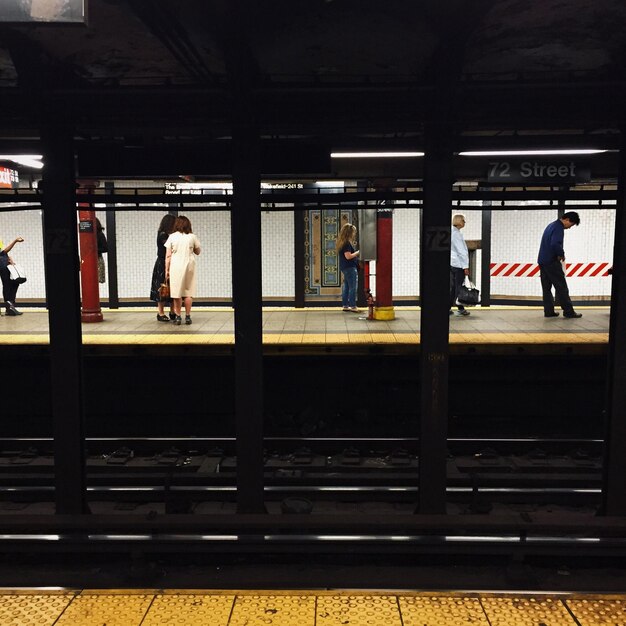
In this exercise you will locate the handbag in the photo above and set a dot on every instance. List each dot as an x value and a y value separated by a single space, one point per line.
164 291
16 273
468 294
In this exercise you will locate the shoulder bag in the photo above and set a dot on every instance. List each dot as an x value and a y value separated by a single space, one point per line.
17 273
468 294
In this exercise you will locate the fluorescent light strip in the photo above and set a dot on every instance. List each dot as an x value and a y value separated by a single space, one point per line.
29 160
528 152
374 155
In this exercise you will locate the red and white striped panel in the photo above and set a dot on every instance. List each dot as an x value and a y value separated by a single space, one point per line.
528 270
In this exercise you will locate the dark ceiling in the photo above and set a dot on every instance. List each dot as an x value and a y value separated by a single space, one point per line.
342 72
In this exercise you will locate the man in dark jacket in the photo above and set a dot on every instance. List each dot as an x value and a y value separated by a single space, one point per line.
551 259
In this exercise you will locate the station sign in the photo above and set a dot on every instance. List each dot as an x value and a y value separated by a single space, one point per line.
43 11
528 171
9 179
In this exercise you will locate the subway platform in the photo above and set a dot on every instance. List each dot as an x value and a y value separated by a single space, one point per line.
160 607
319 330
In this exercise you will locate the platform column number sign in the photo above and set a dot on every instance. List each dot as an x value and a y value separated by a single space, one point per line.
90 294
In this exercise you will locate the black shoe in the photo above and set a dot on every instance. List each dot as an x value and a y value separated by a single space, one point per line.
187 319
172 315
553 314
178 320
12 311
163 318
572 315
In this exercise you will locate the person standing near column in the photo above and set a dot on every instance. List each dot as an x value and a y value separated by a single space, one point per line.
9 287
182 247
348 265
551 260
459 262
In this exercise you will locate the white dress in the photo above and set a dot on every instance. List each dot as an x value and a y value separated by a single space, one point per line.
182 264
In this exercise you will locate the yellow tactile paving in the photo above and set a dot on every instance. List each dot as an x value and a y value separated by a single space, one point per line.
32 610
277 610
145 607
441 611
599 611
195 609
358 610
112 609
527 611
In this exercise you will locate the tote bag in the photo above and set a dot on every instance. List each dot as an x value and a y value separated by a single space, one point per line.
17 273
468 294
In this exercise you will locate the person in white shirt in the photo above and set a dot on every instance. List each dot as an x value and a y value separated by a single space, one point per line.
459 262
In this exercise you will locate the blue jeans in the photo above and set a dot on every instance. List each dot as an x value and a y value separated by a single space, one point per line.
348 289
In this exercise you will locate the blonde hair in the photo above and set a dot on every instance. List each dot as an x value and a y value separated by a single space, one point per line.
346 235
457 219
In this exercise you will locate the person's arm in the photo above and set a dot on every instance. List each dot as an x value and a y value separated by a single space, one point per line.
556 244
196 247
168 259
351 255
8 248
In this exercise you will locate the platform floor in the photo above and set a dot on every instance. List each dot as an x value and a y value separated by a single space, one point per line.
304 608
320 327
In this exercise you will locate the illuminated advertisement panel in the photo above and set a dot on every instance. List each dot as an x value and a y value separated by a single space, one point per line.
43 11
9 178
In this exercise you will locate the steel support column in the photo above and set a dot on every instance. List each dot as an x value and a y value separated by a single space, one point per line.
87 236
485 257
247 299
299 250
384 266
111 233
63 297
614 492
434 295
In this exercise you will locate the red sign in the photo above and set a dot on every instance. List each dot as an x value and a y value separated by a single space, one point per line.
9 178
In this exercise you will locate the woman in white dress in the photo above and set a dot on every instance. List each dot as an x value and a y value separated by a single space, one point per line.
182 247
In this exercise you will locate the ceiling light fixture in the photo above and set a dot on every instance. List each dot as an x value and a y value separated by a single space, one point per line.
29 160
529 152
374 155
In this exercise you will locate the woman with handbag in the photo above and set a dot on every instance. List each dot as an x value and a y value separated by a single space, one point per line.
9 287
103 248
159 287
182 247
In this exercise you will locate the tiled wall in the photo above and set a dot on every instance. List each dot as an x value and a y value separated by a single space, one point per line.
277 231
516 236
406 252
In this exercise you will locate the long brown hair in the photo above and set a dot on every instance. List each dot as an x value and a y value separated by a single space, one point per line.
346 235
183 225
167 224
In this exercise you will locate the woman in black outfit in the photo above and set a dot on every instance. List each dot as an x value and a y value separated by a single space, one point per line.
166 227
9 287
103 247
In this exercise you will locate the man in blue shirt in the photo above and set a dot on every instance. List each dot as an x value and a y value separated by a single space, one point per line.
551 259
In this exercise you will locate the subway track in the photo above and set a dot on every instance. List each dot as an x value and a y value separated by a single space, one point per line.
182 472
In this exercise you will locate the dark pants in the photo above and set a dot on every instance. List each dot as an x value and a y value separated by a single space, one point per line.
552 276
9 287
457 276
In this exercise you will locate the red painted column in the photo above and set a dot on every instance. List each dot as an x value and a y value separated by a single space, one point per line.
384 253
87 235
